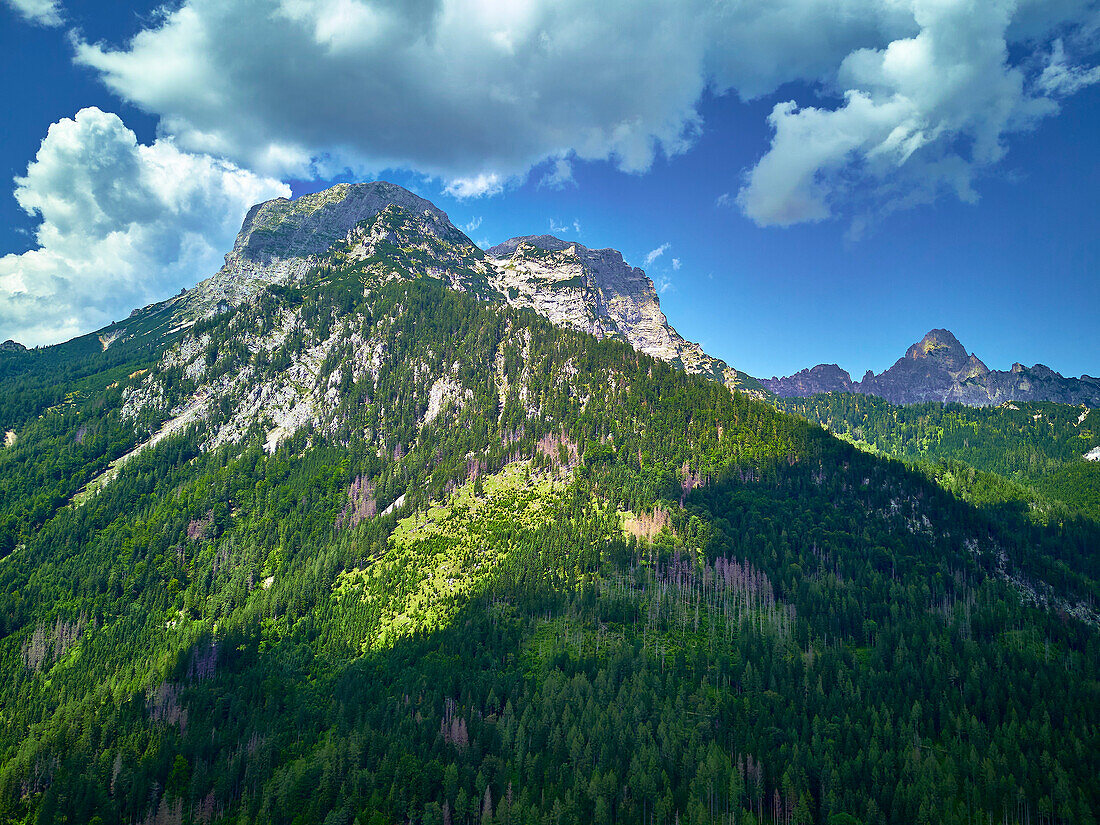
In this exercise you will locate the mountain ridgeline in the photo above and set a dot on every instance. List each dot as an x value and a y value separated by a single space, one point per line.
282 239
593 291
376 527
938 368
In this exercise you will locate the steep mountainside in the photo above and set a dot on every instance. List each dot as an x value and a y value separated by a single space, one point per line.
375 546
938 368
595 291
393 231
1038 454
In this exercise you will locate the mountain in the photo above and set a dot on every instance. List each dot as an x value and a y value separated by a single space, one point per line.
282 241
590 291
386 232
938 368
935 368
595 291
12 346
817 380
383 544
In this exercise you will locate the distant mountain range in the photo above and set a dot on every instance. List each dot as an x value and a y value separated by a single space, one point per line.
938 368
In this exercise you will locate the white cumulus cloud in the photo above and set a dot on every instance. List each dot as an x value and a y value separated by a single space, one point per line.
474 92
476 186
122 224
922 116
43 12
894 101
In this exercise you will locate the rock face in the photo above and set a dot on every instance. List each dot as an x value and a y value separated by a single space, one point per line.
1041 383
12 346
815 381
392 233
596 291
938 368
283 239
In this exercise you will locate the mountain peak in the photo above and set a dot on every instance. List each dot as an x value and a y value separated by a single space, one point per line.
311 223
938 368
940 344
596 291
283 238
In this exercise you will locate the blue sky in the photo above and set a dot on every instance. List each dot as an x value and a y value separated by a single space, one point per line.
883 202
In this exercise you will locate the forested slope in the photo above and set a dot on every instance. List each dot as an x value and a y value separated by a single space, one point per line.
1023 452
427 559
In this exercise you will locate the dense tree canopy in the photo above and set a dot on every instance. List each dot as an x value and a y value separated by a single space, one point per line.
610 593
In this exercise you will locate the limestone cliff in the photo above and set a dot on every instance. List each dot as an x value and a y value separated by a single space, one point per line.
596 291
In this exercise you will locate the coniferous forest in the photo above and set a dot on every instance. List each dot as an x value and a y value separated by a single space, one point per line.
577 586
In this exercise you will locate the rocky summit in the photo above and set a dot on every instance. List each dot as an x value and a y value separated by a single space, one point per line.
282 239
815 381
596 291
393 233
938 368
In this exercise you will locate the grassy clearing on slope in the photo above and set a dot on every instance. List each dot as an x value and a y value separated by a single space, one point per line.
439 558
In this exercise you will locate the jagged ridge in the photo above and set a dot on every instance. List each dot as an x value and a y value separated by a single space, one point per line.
938 368
596 291
391 232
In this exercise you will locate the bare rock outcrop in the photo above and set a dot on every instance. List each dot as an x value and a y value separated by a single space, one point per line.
815 381
283 239
596 291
